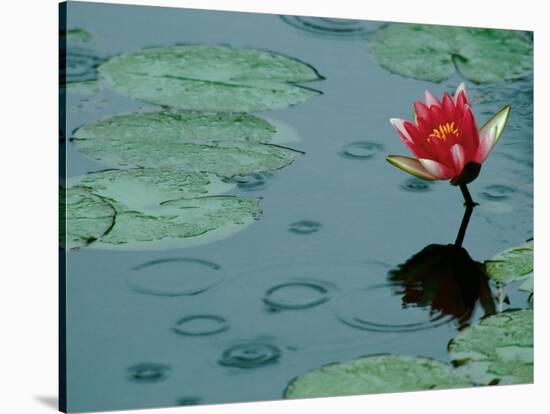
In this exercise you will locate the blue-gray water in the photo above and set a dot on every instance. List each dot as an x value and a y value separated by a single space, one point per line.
271 302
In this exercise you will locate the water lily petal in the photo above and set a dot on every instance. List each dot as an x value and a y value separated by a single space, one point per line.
499 120
421 111
461 89
398 124
486 144
430 99
449 107
411 166
469 135
459 157
436 169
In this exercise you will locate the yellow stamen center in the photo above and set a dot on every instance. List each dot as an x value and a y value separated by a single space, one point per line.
444 131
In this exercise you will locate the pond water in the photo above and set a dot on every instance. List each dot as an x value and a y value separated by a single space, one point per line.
307 284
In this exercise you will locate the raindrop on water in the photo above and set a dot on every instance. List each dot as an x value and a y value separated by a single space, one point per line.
201 325
416 185
345 28
251 182
178 276
304 227
191 400
296 295
148 372
361 310
361 150
250 355
497 192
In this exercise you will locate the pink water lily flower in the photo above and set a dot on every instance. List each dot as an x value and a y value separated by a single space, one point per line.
445 140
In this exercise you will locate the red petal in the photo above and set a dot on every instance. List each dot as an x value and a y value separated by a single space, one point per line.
449 108
468 135
430 99
421 110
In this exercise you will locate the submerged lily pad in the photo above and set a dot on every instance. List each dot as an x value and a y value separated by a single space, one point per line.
83 217
375 374
511 264
434 53
145 189
496 350
223 144
210 78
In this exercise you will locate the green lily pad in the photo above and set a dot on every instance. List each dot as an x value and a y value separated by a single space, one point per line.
83 217
223 144
144 189
511 264
528 285
180 223
434 53
161 209
210 78
496 350
375 374
85 88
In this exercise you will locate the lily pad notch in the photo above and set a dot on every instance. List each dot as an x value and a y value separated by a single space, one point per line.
211 78
434 53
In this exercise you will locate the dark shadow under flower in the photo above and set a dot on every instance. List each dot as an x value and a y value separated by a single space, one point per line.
446 279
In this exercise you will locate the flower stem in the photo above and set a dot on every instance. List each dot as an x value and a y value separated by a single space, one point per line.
470 204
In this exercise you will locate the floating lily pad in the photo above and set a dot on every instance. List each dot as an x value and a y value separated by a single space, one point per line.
85 88
181 223
223 144
434 53
496 350
375 374
528 285
511 264
144 189
210 78
83 217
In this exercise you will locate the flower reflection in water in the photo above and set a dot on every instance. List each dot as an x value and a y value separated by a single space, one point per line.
446 279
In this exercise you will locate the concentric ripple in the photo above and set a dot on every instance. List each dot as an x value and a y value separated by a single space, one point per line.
416 185
78 65
174 276
497 192
296 295
250 355
361 150
346 28
148 372
304 227
361 310
201 325
253 182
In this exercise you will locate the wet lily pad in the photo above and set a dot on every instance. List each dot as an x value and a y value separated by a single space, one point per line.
83 217
434 53
210 78
496 350
85 88
528 285
180 223
145 189
511 264
375 374
223 144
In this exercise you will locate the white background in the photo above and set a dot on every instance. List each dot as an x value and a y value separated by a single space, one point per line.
28 203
